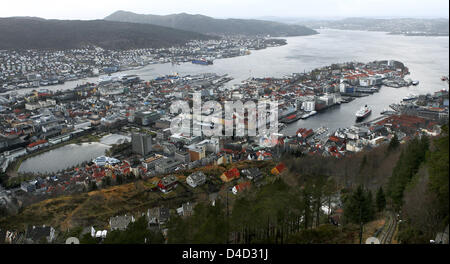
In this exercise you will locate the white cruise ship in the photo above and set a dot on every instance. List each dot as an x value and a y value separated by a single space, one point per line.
363 112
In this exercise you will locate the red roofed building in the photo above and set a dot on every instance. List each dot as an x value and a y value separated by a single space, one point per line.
37 145
168 183
405 123
278 169
230 175
240 187
334 139
304 133
99 174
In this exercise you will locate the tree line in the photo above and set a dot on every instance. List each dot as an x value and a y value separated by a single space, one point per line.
273 213
419 188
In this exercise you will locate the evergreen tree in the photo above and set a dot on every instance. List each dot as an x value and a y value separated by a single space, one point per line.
119 179
88 239
179 230
380 200
3 179
438 168
370 205
394 143
106 181
363 163
92 186
406 167
358 207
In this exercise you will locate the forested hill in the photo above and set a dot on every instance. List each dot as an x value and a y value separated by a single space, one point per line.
409 179
209 25
37 33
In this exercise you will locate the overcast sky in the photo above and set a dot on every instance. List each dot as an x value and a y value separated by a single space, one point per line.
98 9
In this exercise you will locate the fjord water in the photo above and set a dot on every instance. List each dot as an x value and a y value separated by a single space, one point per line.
426 57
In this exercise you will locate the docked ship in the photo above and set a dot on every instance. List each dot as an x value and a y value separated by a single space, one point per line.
363 113
108 79
308 114
410 97
202 61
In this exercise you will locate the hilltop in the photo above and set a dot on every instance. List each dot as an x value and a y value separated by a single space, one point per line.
208 25
38 33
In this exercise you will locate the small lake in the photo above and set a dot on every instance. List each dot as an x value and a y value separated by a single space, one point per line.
63 158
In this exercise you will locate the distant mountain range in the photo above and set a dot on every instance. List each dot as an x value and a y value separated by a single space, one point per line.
38 33
208 25
404 26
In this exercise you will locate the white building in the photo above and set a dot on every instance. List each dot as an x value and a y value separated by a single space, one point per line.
376 141
309 106
354 146
196 179
98 233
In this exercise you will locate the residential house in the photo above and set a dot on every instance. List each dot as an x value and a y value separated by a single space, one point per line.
168 183
39 234
158 216
120 222
186 209
278 169
230 175
253 174
196 179
98 233
240 187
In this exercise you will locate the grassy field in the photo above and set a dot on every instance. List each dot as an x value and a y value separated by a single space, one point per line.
93 208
